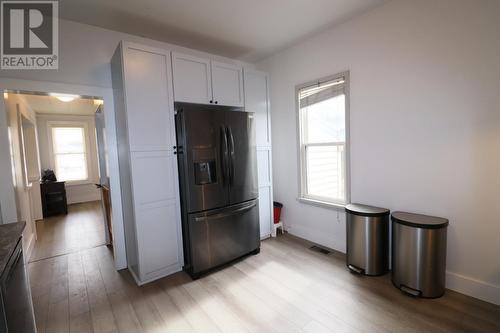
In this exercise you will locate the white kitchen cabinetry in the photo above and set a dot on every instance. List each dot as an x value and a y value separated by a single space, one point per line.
144 106
256 86
192 79
200 80
227 84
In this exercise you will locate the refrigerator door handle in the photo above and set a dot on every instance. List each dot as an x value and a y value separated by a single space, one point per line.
222 215
224 154
231 154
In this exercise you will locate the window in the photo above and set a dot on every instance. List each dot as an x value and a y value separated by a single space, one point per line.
322 112
69 151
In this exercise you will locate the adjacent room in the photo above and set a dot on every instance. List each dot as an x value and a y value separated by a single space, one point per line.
250 166
56 142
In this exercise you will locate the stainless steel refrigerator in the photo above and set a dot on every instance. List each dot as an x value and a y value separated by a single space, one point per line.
218 184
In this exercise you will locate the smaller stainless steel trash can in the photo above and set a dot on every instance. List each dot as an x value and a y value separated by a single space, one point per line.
419 254
367 239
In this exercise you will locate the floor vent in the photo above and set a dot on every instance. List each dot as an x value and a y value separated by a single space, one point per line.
319 249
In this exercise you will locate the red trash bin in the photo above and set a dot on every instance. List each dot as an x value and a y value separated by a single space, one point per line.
277 211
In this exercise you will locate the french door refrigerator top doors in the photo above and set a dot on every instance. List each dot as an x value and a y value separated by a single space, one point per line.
218 184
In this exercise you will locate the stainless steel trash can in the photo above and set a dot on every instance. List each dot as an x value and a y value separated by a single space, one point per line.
419 254
367 239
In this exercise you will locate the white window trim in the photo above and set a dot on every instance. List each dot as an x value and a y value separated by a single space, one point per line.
302 197
70 123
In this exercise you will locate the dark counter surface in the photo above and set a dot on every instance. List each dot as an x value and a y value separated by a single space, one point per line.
9 236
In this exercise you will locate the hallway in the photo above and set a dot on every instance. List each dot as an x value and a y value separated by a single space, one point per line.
82 228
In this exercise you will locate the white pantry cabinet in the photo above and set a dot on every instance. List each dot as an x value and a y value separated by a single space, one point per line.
200 80
256 86
142 85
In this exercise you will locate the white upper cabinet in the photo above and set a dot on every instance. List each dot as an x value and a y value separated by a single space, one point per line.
227 84
192 79
199 80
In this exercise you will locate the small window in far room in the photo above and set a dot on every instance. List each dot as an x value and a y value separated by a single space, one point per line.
70 155
322 108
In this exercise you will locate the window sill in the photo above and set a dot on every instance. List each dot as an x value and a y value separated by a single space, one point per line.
324 204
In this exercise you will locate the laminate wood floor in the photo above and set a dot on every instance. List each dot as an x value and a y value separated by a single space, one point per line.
82 228
285 288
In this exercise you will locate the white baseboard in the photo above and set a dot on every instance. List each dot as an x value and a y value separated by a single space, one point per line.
320 239
472 287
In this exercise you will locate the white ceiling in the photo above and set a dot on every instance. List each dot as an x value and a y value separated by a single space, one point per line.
51 105
244 29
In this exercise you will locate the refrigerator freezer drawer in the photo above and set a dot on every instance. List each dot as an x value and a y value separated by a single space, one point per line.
222 235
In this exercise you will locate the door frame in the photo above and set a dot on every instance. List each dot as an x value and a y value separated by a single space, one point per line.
103 172
7 194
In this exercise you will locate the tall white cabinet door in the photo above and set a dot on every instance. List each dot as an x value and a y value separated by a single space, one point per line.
160 256
264 171
257 101
265 191
150 117
157 213
227 84
192 79
149 160
265 211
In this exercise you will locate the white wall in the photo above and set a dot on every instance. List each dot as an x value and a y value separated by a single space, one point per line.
74 193
85 52
425 125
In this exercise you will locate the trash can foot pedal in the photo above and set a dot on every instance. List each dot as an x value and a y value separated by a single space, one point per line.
356 269
410 291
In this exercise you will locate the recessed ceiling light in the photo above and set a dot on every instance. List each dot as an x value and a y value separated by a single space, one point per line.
65 97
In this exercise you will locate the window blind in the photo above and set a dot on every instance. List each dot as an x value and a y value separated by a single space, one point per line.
321 92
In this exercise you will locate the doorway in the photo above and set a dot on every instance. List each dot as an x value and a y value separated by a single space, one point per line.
8 207
61 171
